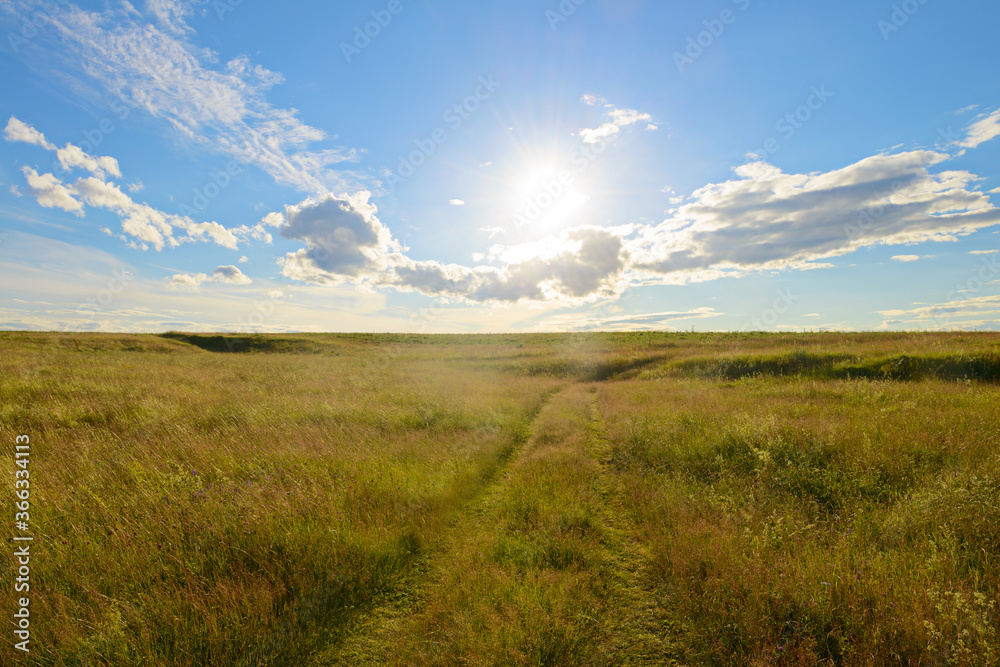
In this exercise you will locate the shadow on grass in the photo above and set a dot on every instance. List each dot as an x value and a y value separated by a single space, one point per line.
244 343
983 367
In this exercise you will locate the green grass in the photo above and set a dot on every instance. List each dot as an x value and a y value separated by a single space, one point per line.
605 499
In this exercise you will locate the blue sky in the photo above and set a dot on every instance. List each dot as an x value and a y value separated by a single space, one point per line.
428 165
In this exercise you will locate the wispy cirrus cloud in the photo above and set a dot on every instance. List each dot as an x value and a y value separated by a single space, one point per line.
148 60
983 129
662 321
977 312
911 258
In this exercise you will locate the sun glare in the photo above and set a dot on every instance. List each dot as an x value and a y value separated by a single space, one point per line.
546 200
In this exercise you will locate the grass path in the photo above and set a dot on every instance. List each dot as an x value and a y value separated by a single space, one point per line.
543 568
372 634
645 632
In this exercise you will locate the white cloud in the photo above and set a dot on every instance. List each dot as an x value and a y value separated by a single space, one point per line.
623 117
153 66
592 136
581 264
19 131
762 220
345 241
663 321
768 220
983 252
244 259
51 193
977 312
986 127
170 14
911 258
73 156
148 224
184 281
145 224
592 100
16 191
619 118
229 275
457 202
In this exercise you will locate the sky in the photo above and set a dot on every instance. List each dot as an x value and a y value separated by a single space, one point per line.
444 166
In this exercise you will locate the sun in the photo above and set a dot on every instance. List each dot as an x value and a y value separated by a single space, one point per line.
547 199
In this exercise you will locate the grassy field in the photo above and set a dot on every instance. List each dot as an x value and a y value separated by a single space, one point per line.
604 499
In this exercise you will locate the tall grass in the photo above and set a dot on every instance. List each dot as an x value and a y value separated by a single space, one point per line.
599 499
199 508
796 521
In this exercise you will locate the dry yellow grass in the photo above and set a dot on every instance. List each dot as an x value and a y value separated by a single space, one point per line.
538 500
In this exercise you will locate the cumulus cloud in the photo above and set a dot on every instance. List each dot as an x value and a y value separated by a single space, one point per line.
229 275
144 224
259 232
911 258
147 61
761 220
148 224
457 202
184 281
17 130
983 129
51 192
346 243
344 239
71 157
592 136
619 118
585 263
765 219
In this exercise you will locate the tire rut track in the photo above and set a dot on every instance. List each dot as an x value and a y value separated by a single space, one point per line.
369 635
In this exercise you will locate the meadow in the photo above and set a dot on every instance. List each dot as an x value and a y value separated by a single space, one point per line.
550 499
